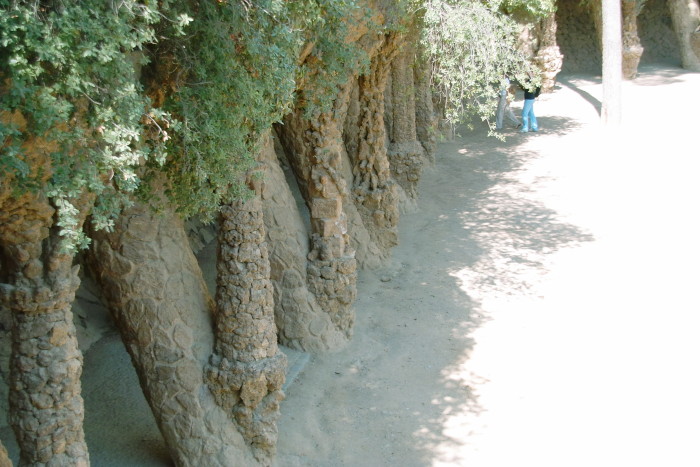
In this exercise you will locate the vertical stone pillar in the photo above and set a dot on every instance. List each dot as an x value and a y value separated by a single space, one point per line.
426 120
301 323
246 370
685 15
46 408
374 189
332 269
160 303
405 152
548 58
632 49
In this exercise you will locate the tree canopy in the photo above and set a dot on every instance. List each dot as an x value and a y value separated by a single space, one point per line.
121 93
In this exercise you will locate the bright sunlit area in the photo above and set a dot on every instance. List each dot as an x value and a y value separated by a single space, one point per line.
586 290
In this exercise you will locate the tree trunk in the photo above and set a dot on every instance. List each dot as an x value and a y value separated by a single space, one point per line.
612 63
685 15
46 408
156 293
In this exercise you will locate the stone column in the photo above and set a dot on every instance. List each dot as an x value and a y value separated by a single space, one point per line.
374 189
548 58
157 296
405 152
314 146
685 15
426 119
632 49
301 323
246 370
46 408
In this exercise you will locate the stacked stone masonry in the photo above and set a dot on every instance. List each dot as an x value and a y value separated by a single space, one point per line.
246 371
39 284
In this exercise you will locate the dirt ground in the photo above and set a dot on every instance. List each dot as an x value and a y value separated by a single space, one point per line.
540 309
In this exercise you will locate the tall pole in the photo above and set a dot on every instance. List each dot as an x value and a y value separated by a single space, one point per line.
611 113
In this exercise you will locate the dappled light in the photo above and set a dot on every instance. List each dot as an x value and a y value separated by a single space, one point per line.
572 334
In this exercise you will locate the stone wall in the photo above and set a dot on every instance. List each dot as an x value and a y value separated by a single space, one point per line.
656 34
577 38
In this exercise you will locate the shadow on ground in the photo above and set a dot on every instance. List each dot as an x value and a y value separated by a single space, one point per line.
476 234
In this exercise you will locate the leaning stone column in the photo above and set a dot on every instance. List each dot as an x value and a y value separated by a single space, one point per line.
686 23
314 147
46 408
161 305
246 370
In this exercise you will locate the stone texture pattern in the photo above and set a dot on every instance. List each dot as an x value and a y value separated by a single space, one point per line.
314 149
301 322
631 45
374 190
656 34
575 33
548 57
426 117
155 292
39 284
367 253
685 15
405 153
632 49
246 371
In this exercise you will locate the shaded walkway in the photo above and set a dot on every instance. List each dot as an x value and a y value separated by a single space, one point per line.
539 310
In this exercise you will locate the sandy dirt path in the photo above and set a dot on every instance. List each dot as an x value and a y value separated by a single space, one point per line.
541 307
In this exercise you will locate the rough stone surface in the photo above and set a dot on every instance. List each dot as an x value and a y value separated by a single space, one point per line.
426 117
314 148
246 370
632 49
575 33
374 190
38 286
302 324
656 34
163 311
548 57
685 16
405 153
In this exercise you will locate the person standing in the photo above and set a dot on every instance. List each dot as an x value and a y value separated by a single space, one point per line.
504 106
529 119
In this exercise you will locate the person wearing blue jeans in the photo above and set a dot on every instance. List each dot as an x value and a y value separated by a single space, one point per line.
529 119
